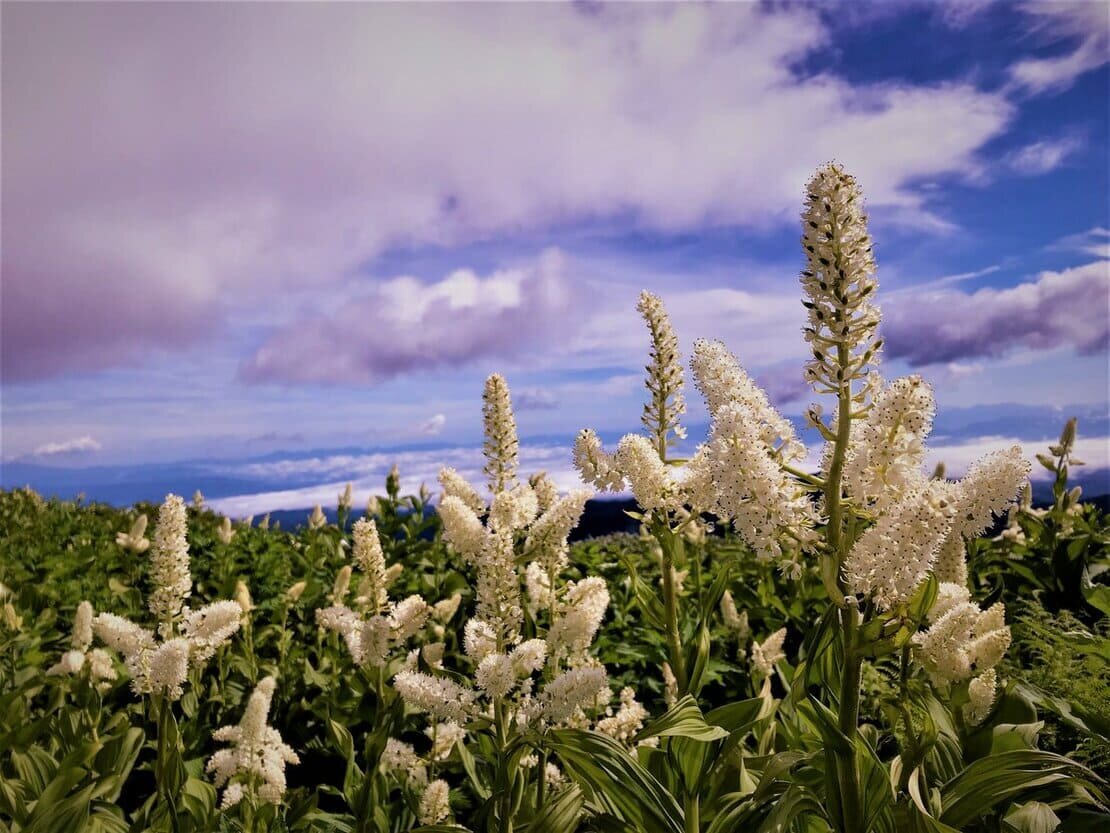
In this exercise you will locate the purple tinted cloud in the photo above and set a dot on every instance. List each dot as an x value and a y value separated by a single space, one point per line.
405 325
165 164
1060 309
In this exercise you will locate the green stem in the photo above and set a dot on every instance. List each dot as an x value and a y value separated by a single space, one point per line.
541 782
692 815
670 610
848 720
505 802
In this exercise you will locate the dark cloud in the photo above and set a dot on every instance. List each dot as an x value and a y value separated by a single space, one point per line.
534 399
1060 309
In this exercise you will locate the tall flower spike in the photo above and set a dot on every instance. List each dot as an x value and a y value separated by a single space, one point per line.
992 484
751 489
596 466
887 449
169 564
664 381
370 559
257 757
455 485
893 557
722 380
501 445
838 281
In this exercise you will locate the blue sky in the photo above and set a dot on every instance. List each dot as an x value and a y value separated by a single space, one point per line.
237 231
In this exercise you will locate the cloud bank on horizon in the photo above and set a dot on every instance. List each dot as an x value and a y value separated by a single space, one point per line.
236 229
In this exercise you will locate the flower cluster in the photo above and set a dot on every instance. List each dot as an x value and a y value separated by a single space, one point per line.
159 663
838 281
373 627
666 403
82 656
525 523
920 525
255 763
134 540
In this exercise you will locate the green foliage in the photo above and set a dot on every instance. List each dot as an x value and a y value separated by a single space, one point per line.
737 753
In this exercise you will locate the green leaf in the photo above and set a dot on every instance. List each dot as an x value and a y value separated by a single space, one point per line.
561 815
683 719
992 781
615 781
1034 817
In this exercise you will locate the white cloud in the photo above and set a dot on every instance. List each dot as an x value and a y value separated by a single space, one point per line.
958 457
367 474
1085 25
241 150
78 445
1043 156
433 425
1095 241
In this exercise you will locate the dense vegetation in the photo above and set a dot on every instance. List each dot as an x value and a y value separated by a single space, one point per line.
89 754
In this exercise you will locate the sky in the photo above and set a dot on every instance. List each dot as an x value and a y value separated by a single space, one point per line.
270 248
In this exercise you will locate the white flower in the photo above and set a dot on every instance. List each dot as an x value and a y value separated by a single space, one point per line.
440 697
499 602
167 668
528 657
722 380
664 381
134 539
546 490
839 278
981 692
652 484
893 557
224 531
401 759
752 491
991 485
408 616
342 585
209 628
513 509
537 583
444 736
767 653
962 642
578 617
462 529
495 675
455 485
573 691
435 805
628 720
371 560
887 449
670 685
346 498
445 609
82 627
547 538
501 445
257 752
243 597
169 564
317 518
479 639
594 464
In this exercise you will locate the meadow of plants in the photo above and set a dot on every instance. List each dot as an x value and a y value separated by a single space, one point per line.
868 646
